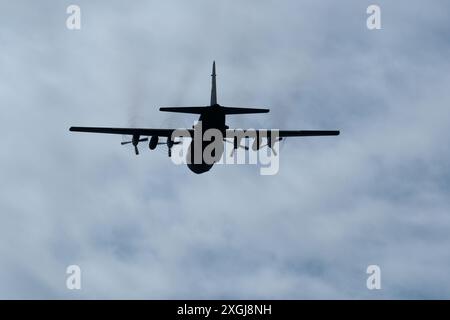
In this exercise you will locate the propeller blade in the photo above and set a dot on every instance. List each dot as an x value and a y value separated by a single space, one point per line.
267 144
128 142
277 141
240 146
274 152
136 150
165 143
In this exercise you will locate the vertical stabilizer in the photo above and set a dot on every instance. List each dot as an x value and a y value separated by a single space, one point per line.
213 85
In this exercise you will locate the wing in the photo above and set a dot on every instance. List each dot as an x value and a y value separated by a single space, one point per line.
308 133
128 131
285 133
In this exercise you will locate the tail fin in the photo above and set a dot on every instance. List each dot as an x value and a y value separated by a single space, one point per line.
214 106
213 85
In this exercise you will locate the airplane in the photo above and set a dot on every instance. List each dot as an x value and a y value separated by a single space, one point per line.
211 117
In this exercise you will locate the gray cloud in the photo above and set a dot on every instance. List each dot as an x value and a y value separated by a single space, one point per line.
377 194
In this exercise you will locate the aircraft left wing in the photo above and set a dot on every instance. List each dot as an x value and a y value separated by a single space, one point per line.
128 131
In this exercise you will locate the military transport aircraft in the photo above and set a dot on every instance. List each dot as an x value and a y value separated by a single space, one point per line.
211 117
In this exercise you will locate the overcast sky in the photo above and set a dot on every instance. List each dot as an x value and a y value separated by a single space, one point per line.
141 227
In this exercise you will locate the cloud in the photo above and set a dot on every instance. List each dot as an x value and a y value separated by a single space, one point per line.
141 227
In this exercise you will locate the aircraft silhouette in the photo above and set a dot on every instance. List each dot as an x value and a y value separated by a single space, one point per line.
211 117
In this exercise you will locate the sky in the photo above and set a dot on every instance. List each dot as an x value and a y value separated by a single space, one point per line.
144 228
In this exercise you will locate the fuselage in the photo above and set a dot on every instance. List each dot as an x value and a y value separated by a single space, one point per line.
214 118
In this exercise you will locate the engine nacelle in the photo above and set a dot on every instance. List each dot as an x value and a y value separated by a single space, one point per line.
235 143
269 142
153 142
257 143
170 144
135 140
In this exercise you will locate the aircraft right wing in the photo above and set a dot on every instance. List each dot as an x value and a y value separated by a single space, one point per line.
285 133
308 133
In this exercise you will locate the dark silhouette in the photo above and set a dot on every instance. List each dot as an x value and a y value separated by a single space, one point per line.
211 117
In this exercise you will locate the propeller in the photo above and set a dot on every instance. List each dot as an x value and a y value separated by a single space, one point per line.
270 143
170 143
135 140
257 143
235 145
256 146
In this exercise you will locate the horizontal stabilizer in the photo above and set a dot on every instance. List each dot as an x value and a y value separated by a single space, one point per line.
194 110
234 110
216 108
